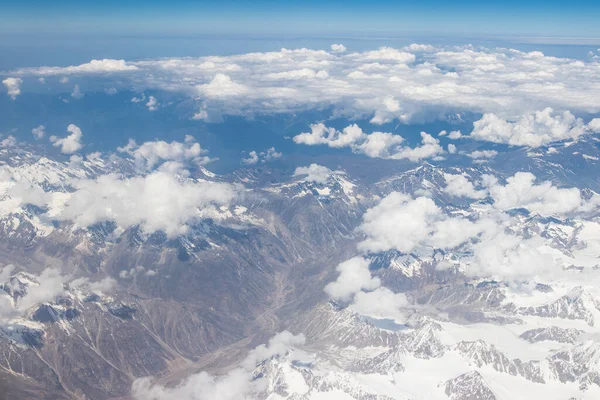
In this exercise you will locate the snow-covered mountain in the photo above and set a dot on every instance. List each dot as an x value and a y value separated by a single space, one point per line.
495 295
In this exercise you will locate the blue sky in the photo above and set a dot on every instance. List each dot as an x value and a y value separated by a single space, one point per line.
309 17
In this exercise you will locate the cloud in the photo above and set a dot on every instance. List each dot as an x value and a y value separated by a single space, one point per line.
521 191
314 173
454 135
402 223
251 159
222 86
415 47
354 276
320 134
594 125
105 66
43 288
13 87
376 144
338 48
239 383
77 94
9 141
39 132
155 202
149 155
534 130
417 83
381 303
451 148
152 103
459 79
264 156
460 186
479 154
71 143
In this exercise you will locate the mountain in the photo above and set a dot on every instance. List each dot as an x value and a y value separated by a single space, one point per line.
88 310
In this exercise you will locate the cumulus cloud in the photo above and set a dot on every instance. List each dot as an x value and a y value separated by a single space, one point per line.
521 191
39 132
42 288
451 148
222 86
460 186
156 202
239 383
320 134
376 144
338 48
13 87
152 103
314 173
77 94
415 83
149 155
482 154
71 143
271 154
381 303
402 223
454 135
105 66
354 276
384 84
251 159
534 130
8 141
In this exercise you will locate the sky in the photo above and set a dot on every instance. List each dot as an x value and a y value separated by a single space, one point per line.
308 17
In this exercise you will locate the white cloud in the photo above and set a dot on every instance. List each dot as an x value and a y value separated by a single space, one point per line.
39 132
43 288
415 47
152 103
156 202
354 276
380 144
338 48
430 147
149 155
9 141
381 303
222 86
459 185
71 143
238 383
251 159
520 191
13 87
314 173
479 154
105 66
454 135
402 223
320 134
376 144
451 148
77 94
534 130
382 85
271 154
